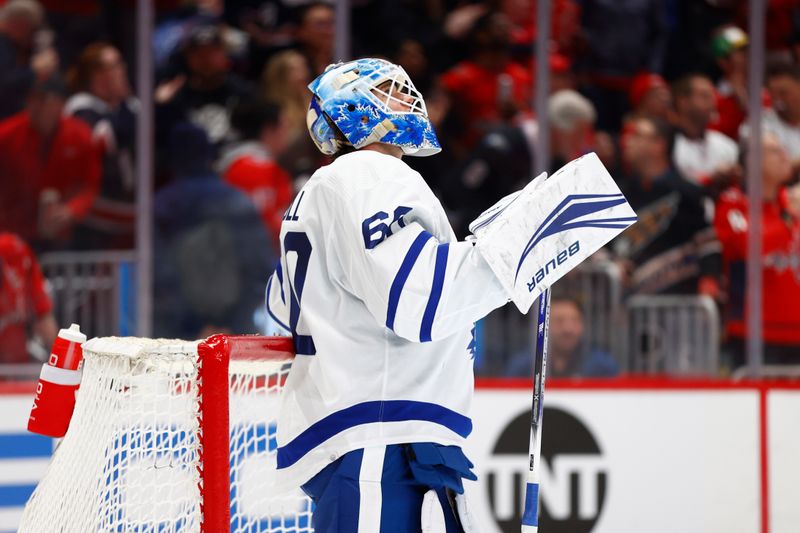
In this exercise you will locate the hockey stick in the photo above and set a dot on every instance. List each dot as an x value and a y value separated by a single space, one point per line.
530 517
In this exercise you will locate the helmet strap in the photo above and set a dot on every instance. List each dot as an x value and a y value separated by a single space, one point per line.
379 131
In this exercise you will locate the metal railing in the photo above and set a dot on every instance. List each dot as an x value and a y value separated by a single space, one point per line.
677 335
93 289
791 372
19 371
648 334
506 334
597 286
503 335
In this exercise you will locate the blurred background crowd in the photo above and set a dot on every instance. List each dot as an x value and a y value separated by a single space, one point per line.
657 88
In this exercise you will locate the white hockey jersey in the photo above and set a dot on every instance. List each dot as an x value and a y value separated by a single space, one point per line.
381 301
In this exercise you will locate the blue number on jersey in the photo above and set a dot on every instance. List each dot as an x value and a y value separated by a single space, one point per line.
296 241
374 235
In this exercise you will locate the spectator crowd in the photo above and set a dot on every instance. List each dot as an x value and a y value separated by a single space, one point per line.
657 88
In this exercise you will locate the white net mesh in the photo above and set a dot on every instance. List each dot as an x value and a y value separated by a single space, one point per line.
254 507
130 461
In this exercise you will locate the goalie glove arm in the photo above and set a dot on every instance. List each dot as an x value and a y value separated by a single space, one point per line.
532 239
428 289
418 286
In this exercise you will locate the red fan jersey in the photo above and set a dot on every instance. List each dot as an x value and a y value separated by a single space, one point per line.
477 92
23 297
70 164
781 266
730 112
250 169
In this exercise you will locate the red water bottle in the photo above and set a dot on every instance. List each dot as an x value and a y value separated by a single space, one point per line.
58 382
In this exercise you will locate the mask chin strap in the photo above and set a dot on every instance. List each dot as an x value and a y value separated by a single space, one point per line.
339 140
378 132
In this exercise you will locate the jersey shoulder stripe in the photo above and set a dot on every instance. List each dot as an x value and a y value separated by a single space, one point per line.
402 275
436 292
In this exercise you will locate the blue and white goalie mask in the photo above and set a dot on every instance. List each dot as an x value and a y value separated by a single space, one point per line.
369 100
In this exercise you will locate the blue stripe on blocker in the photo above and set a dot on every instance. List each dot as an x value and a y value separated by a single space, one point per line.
367 413
402 275
436 292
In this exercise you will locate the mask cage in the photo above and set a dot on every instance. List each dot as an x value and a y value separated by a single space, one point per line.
386 89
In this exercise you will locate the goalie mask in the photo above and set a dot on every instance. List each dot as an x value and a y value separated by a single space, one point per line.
369 100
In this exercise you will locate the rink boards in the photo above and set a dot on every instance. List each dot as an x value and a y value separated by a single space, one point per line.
621 456
635 455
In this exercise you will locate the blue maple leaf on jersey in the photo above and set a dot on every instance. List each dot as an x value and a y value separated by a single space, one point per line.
472 347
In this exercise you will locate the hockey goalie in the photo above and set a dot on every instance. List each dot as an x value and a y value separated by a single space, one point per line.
381 301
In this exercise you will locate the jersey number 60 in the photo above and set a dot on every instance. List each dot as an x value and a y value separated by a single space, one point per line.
296 241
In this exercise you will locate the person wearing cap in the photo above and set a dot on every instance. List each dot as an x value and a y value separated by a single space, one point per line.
649 96
20 63
50 174
207 91
25 304
729 46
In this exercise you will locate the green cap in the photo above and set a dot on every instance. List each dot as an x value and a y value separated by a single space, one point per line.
727 40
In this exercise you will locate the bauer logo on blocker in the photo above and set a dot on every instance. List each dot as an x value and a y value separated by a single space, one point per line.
562 256
574 475
574 212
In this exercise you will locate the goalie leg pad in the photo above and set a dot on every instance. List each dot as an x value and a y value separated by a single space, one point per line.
444 511
379 490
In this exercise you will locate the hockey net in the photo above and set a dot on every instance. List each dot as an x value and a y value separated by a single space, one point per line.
171 436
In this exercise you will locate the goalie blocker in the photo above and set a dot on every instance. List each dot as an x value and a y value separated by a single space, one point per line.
533 237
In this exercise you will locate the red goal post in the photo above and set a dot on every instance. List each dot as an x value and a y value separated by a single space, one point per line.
215 354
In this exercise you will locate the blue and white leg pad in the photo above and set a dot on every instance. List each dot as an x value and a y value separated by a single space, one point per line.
434 521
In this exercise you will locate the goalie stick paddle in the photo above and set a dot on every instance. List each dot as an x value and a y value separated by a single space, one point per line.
530 516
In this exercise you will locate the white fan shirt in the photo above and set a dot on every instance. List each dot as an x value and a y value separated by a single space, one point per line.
698 159
381 301
788 134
